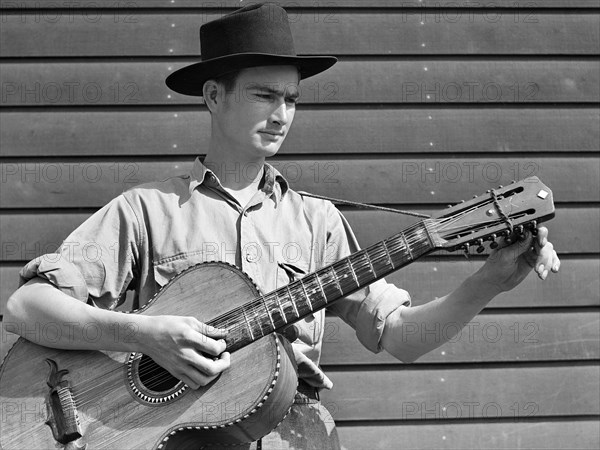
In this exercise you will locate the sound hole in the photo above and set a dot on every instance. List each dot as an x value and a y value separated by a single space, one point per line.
154 377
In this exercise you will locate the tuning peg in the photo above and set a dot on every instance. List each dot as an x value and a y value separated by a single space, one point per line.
480 247
534 230
466 248
500 187
448 206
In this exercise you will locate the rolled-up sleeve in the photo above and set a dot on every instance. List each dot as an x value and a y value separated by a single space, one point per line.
367 309
97 261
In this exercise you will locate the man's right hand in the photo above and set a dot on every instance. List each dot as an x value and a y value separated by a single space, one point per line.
189 349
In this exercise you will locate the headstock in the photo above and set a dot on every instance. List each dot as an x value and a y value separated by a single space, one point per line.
499 212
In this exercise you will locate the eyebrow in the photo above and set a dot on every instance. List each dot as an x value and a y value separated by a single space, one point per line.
271 90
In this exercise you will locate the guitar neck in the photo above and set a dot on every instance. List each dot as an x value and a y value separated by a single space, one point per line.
271 312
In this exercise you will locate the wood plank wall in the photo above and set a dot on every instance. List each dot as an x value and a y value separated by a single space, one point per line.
432 101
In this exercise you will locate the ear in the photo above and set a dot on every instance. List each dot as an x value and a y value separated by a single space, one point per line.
210 92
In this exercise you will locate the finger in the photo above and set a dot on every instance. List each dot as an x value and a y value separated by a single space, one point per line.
545 261
542 236
555 263
209 345
211 368
210 331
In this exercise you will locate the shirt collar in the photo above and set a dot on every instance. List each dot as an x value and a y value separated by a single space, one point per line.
273 181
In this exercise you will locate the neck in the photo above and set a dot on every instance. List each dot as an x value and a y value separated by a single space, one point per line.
235 173
289 304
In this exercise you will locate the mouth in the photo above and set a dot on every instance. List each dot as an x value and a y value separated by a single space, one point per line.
272 133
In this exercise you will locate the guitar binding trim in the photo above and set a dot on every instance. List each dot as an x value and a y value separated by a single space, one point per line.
173 432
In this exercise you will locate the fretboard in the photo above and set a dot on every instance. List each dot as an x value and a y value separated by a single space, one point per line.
284 306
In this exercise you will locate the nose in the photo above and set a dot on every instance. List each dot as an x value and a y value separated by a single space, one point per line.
281 115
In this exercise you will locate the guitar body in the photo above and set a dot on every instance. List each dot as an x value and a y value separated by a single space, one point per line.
115 399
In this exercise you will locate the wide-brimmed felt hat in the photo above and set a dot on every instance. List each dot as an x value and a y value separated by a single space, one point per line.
256 35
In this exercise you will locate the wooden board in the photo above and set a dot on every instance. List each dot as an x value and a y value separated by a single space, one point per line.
575 286
428 180
556 434
315 131
466 393
406 81
517 337
449 32
233 4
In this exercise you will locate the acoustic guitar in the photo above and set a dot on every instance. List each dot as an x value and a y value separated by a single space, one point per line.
95 399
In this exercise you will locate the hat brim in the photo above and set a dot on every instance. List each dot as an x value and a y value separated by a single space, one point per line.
190 80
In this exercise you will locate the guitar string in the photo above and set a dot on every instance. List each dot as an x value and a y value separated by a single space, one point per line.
164 375
257 304
270 328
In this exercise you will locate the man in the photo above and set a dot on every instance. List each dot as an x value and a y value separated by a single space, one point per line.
236 208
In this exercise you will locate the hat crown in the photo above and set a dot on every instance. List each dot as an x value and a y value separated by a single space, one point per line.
262 28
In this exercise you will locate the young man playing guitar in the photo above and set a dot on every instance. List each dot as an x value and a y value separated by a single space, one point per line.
236 208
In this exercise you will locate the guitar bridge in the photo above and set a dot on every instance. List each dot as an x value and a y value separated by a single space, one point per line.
62 411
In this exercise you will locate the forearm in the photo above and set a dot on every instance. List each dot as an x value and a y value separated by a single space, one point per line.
410 333
43 314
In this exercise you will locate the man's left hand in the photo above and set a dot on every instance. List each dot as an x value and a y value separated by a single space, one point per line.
510 263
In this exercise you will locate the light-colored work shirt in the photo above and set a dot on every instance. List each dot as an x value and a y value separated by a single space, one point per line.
148 234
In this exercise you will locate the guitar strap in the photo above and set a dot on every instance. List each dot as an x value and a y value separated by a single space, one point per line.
363 205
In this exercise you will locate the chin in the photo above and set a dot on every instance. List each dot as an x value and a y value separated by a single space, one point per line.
268 150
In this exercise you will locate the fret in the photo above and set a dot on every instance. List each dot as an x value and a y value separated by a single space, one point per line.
362 268
306 296
397 248
387 252
353 272
293 302
370 263
329 283
321 287
248 324
268 312
345 276
337 282
256 318
407 246
278 317
380 260
281 309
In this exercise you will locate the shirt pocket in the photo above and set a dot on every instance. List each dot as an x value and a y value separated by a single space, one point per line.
167 268
309 329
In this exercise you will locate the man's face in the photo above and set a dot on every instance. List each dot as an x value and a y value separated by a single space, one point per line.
256 116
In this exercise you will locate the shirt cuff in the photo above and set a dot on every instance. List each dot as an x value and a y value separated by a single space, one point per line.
373 312
62 273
